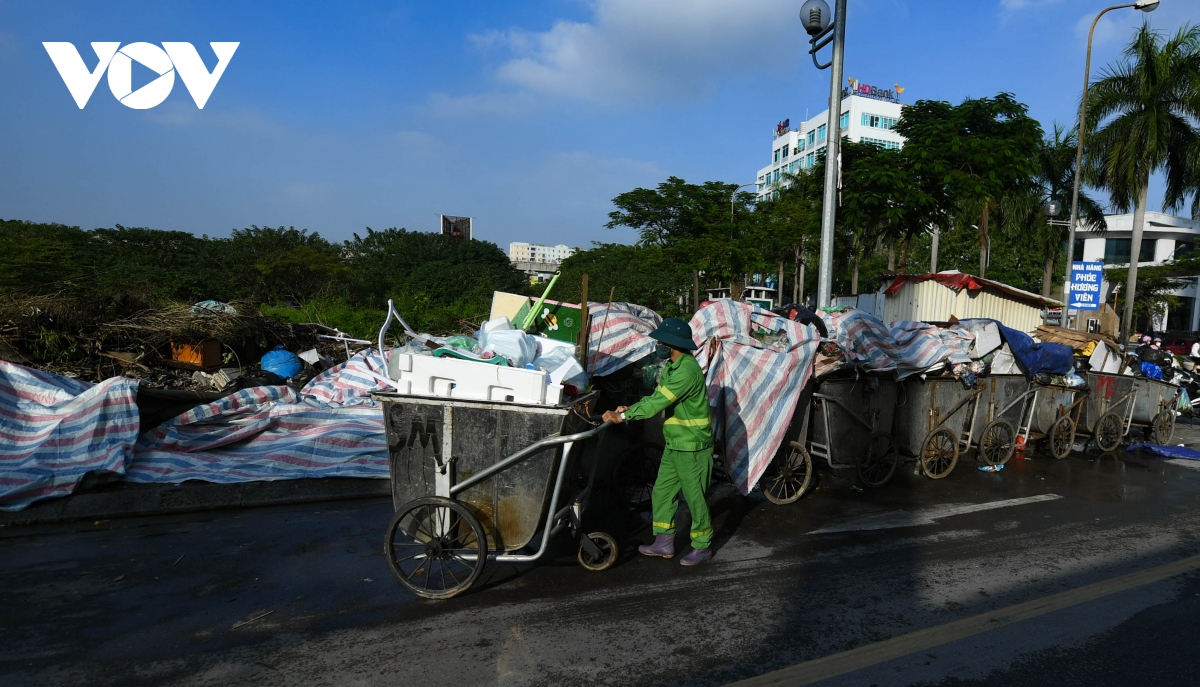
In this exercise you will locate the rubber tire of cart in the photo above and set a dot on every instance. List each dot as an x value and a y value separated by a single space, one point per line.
881 453
789 475
998 442
453 510
1109 430
939 448
608 552
1163 427
1062 437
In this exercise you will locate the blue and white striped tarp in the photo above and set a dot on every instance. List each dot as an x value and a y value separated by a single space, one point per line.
56 431
906 348
331 428
753 386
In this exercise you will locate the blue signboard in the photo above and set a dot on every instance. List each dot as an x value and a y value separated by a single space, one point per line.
1086 278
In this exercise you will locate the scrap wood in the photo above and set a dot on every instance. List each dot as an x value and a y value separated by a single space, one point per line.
1072 338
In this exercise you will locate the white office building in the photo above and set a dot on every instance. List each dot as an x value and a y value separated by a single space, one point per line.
869 115
536 252
1164 237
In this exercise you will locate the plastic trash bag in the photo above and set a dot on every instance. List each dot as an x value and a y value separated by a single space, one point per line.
552 360
464 343
281 362
518 347
1151 371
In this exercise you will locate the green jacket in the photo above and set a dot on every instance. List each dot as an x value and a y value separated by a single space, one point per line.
682 389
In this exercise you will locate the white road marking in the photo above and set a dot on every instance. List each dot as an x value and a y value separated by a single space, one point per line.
927 516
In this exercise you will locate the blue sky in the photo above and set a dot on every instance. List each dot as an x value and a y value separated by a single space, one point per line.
528 116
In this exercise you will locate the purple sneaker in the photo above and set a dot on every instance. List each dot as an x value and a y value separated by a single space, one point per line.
697 556
664 546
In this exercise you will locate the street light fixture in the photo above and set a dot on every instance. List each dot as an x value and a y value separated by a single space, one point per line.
1126 318
815 17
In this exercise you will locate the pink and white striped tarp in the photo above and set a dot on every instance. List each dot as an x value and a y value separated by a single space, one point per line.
621 339
753 387
56 431
331 428
903 347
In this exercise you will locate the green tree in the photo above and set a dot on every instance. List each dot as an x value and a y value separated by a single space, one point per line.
635 274
974 153
696 224
1144 111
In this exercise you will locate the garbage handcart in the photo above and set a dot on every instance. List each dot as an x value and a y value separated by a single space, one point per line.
1001 409
847 422
1116 403
476 481
934 421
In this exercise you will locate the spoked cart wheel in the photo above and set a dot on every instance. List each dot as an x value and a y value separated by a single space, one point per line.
435 547
1163 427
607 556
634 475
1108 431
878 463
1062 437
998 442
789 475
939 453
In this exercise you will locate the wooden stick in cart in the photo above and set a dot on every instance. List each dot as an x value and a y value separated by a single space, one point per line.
604 324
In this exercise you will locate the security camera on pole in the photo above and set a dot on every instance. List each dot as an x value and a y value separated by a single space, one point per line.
815 16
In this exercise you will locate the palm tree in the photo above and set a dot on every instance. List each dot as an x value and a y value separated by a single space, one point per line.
1054 181
1146 109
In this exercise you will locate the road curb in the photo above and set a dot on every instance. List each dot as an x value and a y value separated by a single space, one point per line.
122 500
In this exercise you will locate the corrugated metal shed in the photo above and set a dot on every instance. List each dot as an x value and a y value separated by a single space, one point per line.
931 301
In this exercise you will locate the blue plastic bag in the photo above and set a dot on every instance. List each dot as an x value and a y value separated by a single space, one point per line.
281 362
1151 371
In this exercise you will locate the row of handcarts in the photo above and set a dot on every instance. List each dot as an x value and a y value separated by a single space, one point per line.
869 422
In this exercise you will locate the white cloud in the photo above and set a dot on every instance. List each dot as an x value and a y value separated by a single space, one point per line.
636 52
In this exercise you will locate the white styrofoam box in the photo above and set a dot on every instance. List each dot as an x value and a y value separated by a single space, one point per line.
554 394
423 375
1003 362
986 341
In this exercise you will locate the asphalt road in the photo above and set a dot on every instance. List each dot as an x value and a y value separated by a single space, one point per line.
920 582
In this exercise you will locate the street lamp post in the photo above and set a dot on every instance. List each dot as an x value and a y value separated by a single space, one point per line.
1126 318
814 15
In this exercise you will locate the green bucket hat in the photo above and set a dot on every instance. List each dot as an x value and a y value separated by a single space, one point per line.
675 333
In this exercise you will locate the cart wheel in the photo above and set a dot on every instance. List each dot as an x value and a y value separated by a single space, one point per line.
635 474
997 443
435 547
1062 437
788 476
939 453
608 552
1108 431
1163 427
878 463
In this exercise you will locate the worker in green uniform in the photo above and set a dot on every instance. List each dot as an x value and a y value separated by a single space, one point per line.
687 459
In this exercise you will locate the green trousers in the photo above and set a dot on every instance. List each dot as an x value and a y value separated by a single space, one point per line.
691 472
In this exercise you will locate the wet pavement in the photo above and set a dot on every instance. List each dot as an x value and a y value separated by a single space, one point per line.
301 595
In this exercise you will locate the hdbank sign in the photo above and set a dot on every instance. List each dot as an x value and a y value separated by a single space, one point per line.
1086 278
118 62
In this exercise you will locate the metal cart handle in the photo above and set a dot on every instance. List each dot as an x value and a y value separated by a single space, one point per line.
524 454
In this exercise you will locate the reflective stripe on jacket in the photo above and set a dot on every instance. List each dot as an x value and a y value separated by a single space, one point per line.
682 389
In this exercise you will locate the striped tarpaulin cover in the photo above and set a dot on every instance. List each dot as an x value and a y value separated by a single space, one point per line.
904 347
331 429
621 339
54 431
753 387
